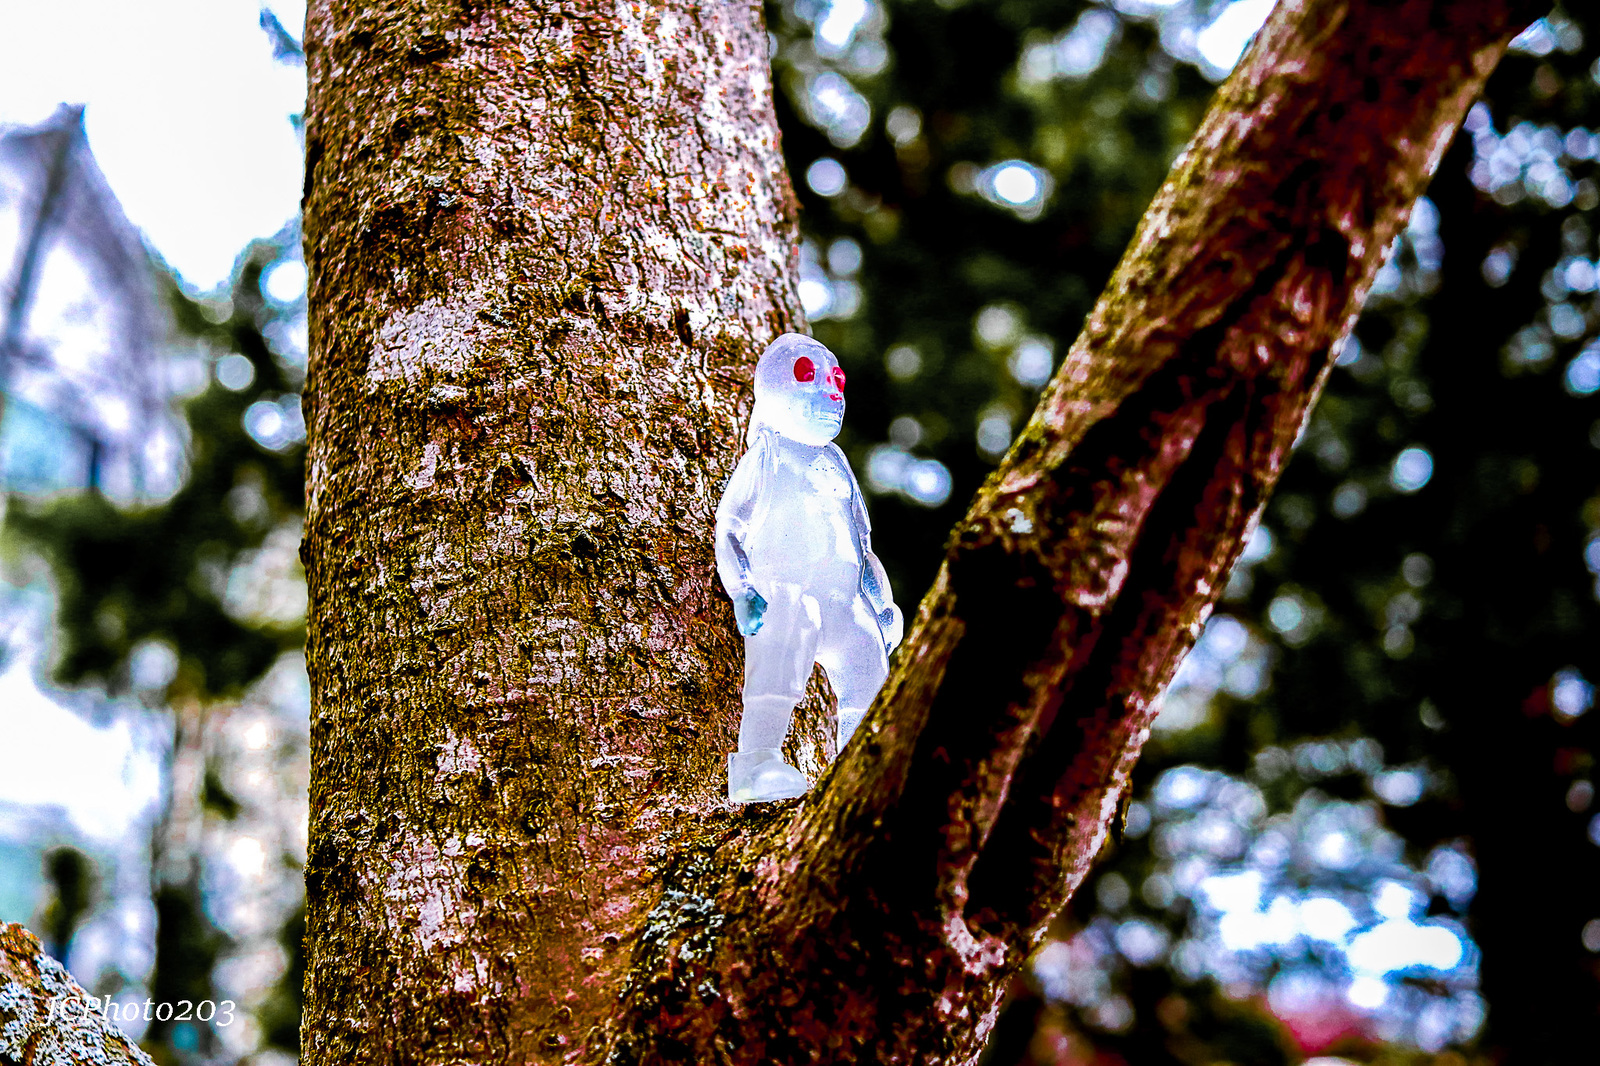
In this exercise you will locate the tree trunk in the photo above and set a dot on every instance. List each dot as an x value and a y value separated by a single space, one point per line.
546 245
545 248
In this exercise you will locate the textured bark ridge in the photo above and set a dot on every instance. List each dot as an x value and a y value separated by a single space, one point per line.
46 1018
546 244
545 247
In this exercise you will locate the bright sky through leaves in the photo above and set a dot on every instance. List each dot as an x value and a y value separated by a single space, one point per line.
187 112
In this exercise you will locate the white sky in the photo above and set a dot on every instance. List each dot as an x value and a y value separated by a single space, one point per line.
186 110
104 778
1222 43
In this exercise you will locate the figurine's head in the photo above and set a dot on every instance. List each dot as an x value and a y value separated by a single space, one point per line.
799 391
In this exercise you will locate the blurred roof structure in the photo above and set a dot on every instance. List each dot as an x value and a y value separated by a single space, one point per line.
83 326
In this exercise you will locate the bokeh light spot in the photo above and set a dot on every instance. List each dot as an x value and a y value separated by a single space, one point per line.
826 177
1412 469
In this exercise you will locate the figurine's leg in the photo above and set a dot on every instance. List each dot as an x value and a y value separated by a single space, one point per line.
777 665
851 651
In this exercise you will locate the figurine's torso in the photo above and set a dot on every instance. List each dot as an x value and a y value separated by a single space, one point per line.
806 526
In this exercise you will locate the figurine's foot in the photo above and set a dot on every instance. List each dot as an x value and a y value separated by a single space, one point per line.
848 721
761 775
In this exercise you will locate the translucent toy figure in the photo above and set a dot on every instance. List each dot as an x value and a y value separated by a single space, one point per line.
794 552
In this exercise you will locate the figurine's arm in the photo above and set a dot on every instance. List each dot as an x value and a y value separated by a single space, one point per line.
874 581
734 513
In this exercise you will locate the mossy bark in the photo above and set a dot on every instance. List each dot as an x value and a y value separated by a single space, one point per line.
545 249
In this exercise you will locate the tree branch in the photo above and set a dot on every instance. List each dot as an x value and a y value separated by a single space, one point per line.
891 908
46 1016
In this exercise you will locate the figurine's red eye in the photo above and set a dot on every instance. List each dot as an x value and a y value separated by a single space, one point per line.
838 378
804 369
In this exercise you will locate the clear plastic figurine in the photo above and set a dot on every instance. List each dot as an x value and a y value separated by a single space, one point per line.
794 551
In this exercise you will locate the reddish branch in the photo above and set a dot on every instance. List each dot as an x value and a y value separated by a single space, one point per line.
883 918
46 1017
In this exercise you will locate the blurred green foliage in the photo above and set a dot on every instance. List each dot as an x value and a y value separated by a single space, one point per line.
148 601
159 573
72 878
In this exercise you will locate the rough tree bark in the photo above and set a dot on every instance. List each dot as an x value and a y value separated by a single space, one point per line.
546 246
46 1017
